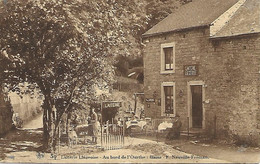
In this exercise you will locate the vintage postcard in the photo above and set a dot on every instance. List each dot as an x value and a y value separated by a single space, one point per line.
129 81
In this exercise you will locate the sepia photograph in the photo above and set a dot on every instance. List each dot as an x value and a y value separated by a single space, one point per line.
129 81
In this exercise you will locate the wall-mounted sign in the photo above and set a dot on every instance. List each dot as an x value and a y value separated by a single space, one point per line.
191 70
149 100
112 104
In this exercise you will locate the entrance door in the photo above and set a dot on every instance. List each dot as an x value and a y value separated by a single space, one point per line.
197 113
108 114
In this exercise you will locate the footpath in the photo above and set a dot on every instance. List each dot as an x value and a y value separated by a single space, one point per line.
24 145
221 150
135 151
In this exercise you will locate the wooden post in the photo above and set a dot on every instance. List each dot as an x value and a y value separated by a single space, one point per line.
135 103
105 139
188 121
157 135
123 132
59 138
107 135
101 124
215 126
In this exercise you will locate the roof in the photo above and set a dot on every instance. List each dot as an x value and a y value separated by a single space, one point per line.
245 21
194 14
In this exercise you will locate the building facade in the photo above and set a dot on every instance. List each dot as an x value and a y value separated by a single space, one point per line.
203 64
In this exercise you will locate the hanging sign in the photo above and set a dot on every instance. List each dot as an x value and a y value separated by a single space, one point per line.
112 104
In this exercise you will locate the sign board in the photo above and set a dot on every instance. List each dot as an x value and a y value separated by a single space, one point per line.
112 104
149 100
191 70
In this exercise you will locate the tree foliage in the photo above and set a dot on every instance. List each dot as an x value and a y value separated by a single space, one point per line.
143 15
61 47
64 47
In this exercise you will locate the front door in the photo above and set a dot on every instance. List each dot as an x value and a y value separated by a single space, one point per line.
197 113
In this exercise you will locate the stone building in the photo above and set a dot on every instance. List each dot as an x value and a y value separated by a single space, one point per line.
202 62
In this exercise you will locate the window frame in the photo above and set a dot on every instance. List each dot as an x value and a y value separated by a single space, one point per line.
168 84
167 45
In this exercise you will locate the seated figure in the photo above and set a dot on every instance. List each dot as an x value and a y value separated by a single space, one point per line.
174 132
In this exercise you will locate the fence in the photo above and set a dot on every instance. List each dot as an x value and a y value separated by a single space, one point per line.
157 129
112 136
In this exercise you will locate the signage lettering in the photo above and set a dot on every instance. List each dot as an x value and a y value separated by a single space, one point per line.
149 100
191 70
112 104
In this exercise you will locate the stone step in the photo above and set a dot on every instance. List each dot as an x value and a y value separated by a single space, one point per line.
191 132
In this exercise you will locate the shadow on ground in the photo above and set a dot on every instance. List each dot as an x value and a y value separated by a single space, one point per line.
217 149
19 140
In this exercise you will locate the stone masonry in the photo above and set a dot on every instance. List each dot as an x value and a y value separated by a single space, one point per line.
230 69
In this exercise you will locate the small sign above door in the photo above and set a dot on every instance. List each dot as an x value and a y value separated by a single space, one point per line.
112 104
191 70
149 100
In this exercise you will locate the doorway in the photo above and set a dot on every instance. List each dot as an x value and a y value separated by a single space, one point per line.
108 114
195 104
196 107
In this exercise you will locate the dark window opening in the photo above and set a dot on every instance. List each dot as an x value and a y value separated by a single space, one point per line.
168 94
168 53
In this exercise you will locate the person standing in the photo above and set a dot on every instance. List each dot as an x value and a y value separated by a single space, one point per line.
94 122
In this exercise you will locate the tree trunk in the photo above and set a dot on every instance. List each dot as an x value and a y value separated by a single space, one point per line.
68 125
55 121
48 126
45 129
50 129
51 122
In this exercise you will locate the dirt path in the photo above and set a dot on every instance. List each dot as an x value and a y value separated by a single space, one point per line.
35 123
23 145
216 149
20 140
135 151
230 153
26 139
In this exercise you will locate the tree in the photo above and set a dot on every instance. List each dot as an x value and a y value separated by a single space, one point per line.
61 48
141 15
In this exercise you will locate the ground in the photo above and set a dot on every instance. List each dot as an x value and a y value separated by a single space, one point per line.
215 149
24 145
232 153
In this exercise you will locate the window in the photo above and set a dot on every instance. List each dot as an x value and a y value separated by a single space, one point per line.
168 58
168 99
168 95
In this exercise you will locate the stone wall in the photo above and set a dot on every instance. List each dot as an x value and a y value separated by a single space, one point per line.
230 69
190 48
236 90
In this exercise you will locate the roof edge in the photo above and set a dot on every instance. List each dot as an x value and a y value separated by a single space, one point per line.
176 30
225 17
233 36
